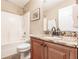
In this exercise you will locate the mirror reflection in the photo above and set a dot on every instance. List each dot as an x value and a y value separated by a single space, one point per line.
60 14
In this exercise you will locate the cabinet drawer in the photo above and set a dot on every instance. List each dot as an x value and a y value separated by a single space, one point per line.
37 40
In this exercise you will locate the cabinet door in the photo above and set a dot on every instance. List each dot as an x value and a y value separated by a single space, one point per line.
37 49
55 51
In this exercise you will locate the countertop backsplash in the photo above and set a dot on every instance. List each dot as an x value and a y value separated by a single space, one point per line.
69 33
65 33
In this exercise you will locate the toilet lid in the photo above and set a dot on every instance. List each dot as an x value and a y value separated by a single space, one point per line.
24 46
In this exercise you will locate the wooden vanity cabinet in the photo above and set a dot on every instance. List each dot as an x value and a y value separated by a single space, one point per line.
37 49
46 50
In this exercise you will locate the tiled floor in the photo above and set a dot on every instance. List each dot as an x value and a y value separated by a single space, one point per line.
17 56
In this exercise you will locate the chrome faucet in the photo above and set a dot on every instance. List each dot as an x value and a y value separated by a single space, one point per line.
55 32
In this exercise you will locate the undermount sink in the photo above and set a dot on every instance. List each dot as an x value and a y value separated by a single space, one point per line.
70 39
61 39
53 38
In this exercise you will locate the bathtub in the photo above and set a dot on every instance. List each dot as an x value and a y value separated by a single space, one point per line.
8 49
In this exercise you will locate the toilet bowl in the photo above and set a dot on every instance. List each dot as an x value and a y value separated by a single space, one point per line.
22 49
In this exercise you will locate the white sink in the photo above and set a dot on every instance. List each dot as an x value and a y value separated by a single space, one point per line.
53 38
61 39
70 39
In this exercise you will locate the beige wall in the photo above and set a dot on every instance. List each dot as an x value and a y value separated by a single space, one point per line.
36 26
10 7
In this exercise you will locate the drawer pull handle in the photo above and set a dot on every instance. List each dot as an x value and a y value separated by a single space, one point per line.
41 44
45 45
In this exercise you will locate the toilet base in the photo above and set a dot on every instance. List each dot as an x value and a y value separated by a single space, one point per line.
22 56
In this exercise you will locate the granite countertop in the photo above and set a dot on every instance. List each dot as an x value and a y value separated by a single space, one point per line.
68 41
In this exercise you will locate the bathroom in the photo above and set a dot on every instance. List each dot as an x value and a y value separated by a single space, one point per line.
27 24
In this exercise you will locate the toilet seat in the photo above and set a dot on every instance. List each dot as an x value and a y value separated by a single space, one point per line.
23 47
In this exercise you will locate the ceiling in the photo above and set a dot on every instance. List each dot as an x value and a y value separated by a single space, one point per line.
20 3
47 4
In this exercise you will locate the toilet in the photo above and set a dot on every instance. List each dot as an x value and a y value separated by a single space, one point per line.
22 49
